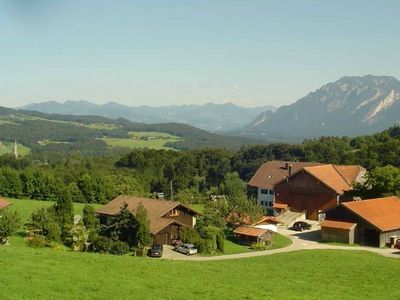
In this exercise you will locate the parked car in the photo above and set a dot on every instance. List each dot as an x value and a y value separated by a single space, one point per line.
187 249
301 225
156 251
397 244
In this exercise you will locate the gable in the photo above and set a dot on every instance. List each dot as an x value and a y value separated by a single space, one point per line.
304 183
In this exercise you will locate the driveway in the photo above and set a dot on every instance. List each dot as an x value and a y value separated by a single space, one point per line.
306 240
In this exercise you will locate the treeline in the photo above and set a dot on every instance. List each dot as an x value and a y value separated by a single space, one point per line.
188 176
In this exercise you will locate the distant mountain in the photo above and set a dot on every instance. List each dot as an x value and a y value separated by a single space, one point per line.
211 117
350 106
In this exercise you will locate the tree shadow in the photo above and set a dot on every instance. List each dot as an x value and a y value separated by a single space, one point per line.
314 235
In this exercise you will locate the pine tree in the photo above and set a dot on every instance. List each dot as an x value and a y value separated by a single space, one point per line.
143 227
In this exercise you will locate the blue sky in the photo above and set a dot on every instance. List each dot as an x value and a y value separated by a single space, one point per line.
185 52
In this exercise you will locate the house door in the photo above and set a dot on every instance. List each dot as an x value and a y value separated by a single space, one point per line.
161 239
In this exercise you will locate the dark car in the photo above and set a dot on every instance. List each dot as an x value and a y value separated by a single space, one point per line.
301 225
397 244
156 251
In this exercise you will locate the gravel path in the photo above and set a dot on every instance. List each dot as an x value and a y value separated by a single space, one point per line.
300 241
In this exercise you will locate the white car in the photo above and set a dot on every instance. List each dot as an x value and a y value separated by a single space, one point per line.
187 249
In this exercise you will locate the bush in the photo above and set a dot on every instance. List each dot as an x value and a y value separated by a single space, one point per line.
10 221
258 246
102 244
119 248
221 242
36 241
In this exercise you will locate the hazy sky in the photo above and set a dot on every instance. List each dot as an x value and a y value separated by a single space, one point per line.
181 52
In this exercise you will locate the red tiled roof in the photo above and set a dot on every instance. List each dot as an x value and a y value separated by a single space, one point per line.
267 220
273 172
280 205
350 172
4 203
340 178
383 213
329 175
337 224
250 231
156 209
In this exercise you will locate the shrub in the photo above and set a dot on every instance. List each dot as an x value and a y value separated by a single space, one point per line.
221 242
36 241
102 244
10 221
119 248
258 246
43 220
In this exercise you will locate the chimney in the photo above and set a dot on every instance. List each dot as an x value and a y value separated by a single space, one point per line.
290 169
286 165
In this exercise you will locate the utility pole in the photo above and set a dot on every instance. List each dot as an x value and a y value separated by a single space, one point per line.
171 191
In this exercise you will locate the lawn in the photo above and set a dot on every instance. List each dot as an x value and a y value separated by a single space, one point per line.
26 206
152 140
7 147
48 274
27 273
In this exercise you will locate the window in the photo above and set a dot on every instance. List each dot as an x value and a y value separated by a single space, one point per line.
271 192
271 203
174 213
264 191
262 203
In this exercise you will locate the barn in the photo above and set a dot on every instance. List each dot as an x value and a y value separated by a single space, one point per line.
315 189
369 222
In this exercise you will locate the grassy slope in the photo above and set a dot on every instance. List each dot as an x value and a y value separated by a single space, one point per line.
7 148
27 273
157 141
25 206
45 273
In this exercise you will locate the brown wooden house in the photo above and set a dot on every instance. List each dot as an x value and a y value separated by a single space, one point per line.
316 189
166 217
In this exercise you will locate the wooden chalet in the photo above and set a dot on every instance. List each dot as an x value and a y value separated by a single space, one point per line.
166 217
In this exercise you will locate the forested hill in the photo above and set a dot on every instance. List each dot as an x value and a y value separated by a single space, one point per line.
93 135
211 117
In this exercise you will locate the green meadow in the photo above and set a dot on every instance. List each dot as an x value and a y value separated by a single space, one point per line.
27 273
7 147
151 140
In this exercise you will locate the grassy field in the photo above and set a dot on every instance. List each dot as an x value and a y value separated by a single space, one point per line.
48 274
27 273
25 206
152 140
7 147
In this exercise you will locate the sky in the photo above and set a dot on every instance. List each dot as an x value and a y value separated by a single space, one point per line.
250 53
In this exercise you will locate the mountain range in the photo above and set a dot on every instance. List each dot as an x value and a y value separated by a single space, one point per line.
350 106
210 116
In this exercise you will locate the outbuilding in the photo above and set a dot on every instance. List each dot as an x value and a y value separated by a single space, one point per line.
247 235
337 231
377 221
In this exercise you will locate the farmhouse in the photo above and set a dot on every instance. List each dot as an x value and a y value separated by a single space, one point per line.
4 203
369 222
304 187
166 217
